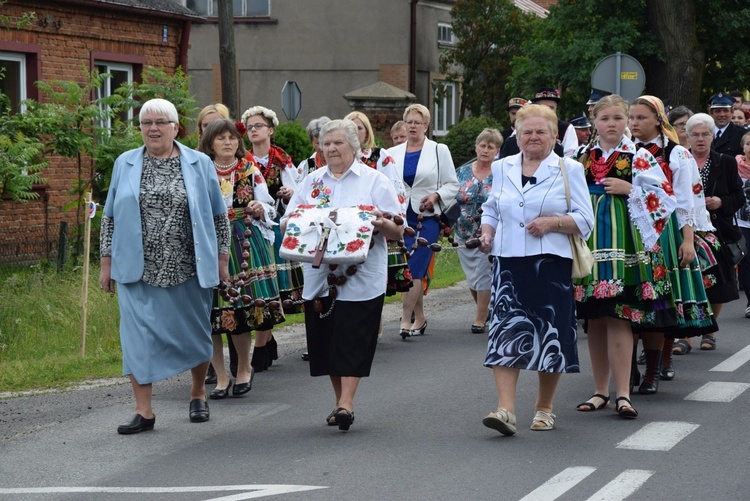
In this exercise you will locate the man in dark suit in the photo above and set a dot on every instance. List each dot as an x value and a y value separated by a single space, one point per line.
727 136
514 105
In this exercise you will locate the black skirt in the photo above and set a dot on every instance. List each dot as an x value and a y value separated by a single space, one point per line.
343 343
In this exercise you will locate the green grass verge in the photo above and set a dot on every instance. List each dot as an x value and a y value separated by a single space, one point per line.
40 325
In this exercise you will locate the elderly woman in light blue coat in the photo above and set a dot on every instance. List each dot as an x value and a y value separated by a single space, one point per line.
165 242
525 226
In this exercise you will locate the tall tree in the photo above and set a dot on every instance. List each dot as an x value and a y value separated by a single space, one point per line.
673 23
227 57
489 34
688 54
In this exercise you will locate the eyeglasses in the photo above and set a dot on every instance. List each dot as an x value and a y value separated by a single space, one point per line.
680 125
256 126
159 123
700 134
414 123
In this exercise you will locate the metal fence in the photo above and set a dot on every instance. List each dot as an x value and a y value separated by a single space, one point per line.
22 246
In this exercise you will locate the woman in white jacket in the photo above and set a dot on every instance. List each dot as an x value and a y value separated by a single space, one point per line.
430 181
525 226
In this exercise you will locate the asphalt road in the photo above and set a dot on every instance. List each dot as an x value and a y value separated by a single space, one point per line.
417 434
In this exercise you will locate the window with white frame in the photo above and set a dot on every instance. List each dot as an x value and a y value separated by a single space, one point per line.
241 8
13 83
445 34
121 73
444 108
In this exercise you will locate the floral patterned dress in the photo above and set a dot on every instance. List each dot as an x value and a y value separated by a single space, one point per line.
399 276
289 274
239 187
687 287
628 279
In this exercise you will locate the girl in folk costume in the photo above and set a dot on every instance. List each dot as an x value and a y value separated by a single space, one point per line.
251 213
279 172
632 202
651 128
375 157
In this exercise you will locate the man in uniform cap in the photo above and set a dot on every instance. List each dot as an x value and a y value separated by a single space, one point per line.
513 106
596 95
582 126
549 97
727 136
566 134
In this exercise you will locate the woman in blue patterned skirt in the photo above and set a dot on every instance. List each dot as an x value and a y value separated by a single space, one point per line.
525 225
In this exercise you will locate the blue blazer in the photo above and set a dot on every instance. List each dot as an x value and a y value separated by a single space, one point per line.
204 202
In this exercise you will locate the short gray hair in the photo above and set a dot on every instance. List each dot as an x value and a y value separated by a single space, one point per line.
313 128
159 106
350 133
490 135
700 119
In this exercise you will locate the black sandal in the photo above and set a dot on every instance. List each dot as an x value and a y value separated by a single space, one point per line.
708 342
344 418
626 410
331 418
588 406
681 347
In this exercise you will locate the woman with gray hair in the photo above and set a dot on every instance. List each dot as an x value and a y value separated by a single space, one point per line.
316 160
165 241
342 321
724 197
474 186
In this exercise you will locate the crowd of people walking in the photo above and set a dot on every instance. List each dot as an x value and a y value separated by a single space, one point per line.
194 241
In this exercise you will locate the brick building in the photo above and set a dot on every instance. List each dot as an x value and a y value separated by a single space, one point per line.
120 37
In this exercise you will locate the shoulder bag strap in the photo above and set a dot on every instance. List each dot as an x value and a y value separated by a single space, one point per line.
564 173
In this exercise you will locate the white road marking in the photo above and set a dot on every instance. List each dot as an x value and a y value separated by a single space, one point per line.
559 484
734 362
658 436
715 391
256 491
625 484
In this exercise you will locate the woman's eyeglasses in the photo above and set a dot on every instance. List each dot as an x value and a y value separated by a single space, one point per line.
256 126
159 123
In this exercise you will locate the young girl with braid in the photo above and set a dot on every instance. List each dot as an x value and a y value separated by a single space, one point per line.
632 202
652 131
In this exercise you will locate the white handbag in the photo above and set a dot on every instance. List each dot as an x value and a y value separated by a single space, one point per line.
328 235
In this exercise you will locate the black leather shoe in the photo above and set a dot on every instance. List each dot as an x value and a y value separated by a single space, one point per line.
136 425
220 393
211 375
242 388
198 411
273 350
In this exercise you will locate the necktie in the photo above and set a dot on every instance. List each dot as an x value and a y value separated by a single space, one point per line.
718 134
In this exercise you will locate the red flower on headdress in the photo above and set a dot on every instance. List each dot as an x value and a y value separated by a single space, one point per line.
240 128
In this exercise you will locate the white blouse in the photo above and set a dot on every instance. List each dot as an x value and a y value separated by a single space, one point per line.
360 185
511 206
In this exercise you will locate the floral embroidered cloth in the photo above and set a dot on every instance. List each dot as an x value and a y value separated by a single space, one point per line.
348 239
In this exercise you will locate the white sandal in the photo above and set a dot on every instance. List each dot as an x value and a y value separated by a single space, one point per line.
501 420
543 421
